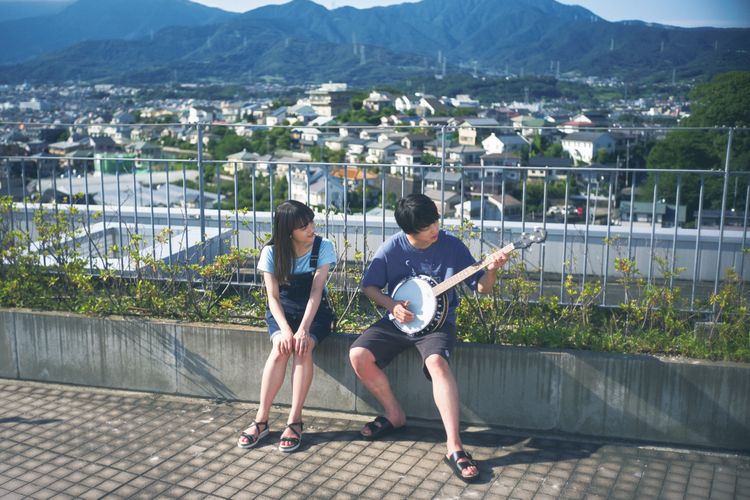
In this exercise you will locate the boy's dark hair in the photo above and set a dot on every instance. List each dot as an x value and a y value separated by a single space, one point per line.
415 212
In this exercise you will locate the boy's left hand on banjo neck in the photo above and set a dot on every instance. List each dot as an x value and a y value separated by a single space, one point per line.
497 260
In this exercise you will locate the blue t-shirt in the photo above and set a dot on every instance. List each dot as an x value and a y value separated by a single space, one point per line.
326 255
397 259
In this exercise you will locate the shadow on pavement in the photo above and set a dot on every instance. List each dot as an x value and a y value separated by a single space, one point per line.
21 420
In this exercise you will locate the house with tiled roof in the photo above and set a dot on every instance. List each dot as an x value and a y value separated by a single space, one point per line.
378 101
381 151
504 144
583 147
240 161
472 129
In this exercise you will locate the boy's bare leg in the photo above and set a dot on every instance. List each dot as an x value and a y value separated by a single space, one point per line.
445 393
376 382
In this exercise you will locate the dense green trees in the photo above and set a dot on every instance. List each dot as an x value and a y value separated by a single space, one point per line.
358 114
263 141
326 155
262 199
722 102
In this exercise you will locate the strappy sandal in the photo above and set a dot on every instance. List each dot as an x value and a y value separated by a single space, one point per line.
252 439
296 441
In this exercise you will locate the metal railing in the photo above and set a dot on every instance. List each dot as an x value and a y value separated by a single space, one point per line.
196 208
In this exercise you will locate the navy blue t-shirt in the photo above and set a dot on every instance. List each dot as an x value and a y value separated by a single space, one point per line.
397 259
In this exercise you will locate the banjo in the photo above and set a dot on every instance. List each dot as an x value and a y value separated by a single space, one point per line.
427 298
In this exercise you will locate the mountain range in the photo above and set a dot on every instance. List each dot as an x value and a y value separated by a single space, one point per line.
147 41
19 9
84 20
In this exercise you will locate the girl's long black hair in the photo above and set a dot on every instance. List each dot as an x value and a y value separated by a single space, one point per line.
290 215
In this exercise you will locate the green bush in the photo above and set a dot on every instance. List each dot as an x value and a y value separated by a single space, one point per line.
653 319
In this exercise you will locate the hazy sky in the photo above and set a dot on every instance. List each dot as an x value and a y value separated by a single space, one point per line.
721 13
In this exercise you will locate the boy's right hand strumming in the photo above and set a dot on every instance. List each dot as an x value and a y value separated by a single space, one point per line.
401 311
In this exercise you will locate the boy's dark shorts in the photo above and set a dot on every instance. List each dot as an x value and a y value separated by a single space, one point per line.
385 342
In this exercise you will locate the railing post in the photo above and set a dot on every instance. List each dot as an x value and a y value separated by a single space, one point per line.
605 264
744 238
696 260
327 201
169 211
104 208
674 238
723 211
442 175
201 187
482 174
630 215
255 223
364 218
565 236
217 174
652 250
383 198
151 211
586 231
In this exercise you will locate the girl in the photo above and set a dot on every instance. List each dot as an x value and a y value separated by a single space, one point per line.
295 266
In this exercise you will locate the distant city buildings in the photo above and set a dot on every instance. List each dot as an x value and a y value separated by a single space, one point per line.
92 145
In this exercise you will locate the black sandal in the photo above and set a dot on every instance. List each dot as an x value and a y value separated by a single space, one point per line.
252 439
380 428
458 467
296 441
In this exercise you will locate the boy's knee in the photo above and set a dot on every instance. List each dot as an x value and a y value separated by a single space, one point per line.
436 365
359 356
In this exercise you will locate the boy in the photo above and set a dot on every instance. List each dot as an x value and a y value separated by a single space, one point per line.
419 248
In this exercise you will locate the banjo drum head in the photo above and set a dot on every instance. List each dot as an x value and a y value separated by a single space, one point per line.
422 303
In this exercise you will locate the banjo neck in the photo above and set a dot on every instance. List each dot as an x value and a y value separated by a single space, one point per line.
457 278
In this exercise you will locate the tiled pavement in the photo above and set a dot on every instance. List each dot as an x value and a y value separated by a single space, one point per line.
69 442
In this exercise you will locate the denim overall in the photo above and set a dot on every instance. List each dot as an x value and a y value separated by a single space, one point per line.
294 296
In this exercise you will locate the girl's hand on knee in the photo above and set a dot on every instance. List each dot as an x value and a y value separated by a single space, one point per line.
302 342
286 346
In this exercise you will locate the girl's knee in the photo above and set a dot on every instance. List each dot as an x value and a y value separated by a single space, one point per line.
277 356
306 357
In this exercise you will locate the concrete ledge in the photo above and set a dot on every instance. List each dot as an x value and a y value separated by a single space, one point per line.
116 353
226 361
686 402
8 357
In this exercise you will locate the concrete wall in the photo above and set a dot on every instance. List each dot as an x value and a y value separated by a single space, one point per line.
576 392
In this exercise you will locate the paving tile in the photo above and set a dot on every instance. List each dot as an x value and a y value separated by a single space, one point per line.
189 482
27 489
43 494
60 485
225 491
208 487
